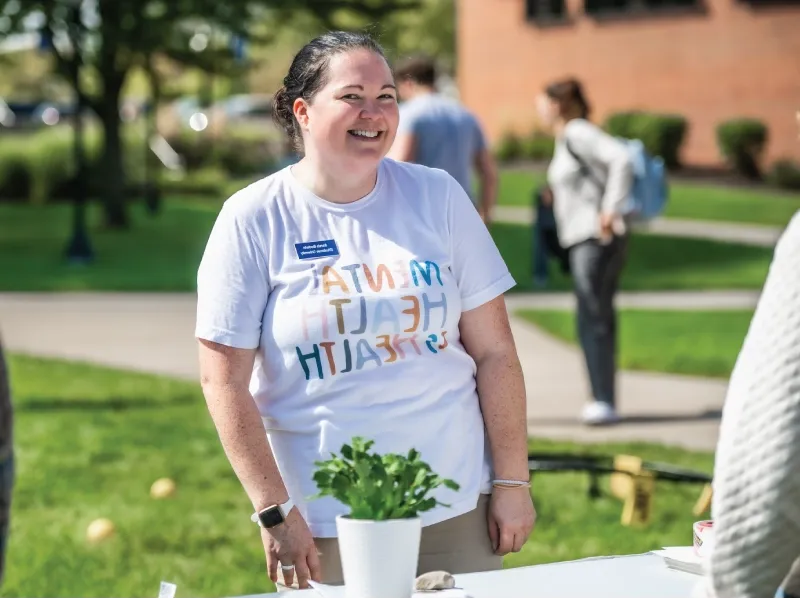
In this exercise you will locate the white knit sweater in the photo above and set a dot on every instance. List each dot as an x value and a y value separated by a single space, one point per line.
756 505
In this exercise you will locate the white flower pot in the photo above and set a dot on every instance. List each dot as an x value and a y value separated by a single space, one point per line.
379 558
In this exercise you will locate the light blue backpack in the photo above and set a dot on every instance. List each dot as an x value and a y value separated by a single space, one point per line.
649 192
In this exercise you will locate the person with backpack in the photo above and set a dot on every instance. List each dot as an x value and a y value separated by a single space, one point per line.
591 177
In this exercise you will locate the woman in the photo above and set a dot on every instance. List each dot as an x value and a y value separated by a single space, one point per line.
350 294
756 505
590 177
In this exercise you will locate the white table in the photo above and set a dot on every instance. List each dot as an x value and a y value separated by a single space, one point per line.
637 576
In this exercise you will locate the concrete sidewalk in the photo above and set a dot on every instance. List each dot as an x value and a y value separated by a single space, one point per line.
752 235
710 300
154 333
669 409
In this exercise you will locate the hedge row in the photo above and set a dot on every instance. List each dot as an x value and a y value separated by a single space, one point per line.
662 135
40 167
741 143
534 146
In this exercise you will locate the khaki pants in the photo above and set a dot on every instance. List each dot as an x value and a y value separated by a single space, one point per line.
458 545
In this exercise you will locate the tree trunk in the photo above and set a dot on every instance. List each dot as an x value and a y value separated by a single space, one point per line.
112 166
112 72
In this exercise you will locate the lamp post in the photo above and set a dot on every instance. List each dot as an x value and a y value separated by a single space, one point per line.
79 248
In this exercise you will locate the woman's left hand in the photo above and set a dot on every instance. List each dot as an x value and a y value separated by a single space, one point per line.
511 519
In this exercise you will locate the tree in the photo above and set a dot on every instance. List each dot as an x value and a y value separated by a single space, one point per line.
117 35
429 29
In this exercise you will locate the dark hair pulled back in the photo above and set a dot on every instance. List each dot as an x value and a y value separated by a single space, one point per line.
307 75
570 97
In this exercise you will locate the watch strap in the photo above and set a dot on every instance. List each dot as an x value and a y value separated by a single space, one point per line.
285 508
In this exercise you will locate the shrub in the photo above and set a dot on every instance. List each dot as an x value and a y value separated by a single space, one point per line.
785 174
241 156
34 166
135 152
194 147
208 181
509 147
51 165
741 142
239 152
538 146
662 135
40 167
15 178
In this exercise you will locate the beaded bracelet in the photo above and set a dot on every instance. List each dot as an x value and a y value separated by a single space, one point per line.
510 483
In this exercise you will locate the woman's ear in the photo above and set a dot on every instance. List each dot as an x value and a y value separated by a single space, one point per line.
300 110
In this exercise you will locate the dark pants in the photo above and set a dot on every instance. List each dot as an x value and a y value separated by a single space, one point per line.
596 269
6 489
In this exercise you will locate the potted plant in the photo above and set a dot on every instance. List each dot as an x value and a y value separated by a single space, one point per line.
379 537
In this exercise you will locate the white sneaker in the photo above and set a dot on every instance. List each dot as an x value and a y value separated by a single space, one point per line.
599 413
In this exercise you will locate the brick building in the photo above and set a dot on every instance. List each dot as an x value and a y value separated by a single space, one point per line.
708 60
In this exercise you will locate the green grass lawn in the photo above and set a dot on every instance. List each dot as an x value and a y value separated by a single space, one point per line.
687 342
157 254
687 201
162 254
571 526
654 262
90 441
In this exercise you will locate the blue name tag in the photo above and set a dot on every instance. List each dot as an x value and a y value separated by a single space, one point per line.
311 250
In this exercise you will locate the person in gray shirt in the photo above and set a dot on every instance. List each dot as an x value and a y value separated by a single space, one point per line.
438 132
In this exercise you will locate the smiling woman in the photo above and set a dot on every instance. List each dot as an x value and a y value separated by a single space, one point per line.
351 295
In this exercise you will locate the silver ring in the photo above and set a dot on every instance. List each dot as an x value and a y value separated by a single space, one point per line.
287 567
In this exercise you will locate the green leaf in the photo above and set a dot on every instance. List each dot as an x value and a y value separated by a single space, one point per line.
347 452
378 487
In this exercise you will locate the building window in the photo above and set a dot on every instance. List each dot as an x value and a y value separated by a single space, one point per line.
757 3
545 11
601 7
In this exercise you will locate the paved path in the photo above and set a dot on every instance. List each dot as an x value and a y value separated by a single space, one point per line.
754 235
711 300
154 333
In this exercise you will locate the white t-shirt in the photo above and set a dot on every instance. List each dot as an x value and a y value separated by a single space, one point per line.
354 309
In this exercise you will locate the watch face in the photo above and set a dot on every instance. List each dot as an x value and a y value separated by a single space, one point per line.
271 517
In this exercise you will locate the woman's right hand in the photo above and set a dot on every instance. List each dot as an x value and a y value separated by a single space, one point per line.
607 225
547 197
291 543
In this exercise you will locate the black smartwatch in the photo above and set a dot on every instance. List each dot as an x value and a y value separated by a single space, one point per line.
274 515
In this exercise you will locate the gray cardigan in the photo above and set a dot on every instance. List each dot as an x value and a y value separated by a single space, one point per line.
578 200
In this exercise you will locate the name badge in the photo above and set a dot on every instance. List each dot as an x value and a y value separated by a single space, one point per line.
311 250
